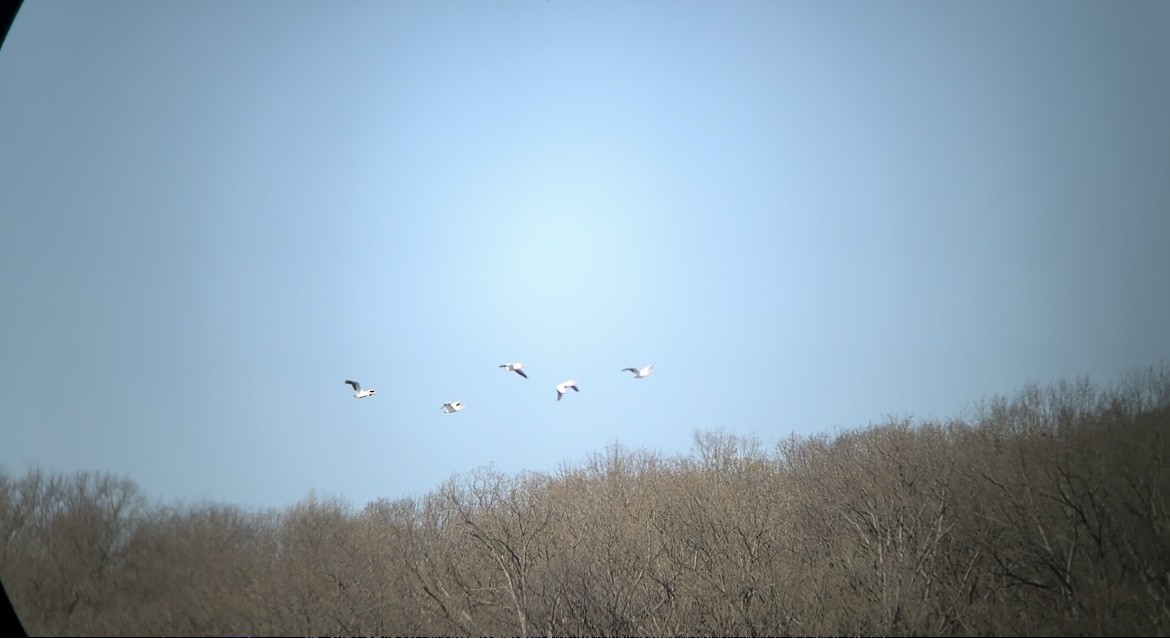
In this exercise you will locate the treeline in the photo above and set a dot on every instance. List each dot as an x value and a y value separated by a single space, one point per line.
1043 514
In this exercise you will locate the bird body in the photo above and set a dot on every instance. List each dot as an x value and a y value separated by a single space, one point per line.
639 373
453 407
358 393
564 386
516 367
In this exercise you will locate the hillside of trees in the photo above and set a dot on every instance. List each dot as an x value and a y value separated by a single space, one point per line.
1047 513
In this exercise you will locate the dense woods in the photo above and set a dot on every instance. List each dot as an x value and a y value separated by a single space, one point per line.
1043 514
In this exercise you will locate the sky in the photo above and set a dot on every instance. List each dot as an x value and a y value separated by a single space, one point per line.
808 215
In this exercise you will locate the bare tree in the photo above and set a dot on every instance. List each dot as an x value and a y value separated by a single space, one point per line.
1046 513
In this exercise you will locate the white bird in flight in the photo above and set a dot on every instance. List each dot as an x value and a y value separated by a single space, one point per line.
453 407
517 368
357 390
565 385
639 373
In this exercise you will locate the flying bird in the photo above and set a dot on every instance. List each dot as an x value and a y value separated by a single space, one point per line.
639 373
357 390
453 407
563 386
517 368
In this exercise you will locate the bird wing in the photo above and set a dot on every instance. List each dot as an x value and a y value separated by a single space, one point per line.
521 373
574 387
632 370
356 386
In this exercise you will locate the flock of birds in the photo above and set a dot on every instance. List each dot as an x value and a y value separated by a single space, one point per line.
510 367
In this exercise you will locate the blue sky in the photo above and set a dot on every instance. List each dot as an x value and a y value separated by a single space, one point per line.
806 215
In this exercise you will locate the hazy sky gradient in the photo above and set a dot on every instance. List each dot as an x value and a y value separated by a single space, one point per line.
806 215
